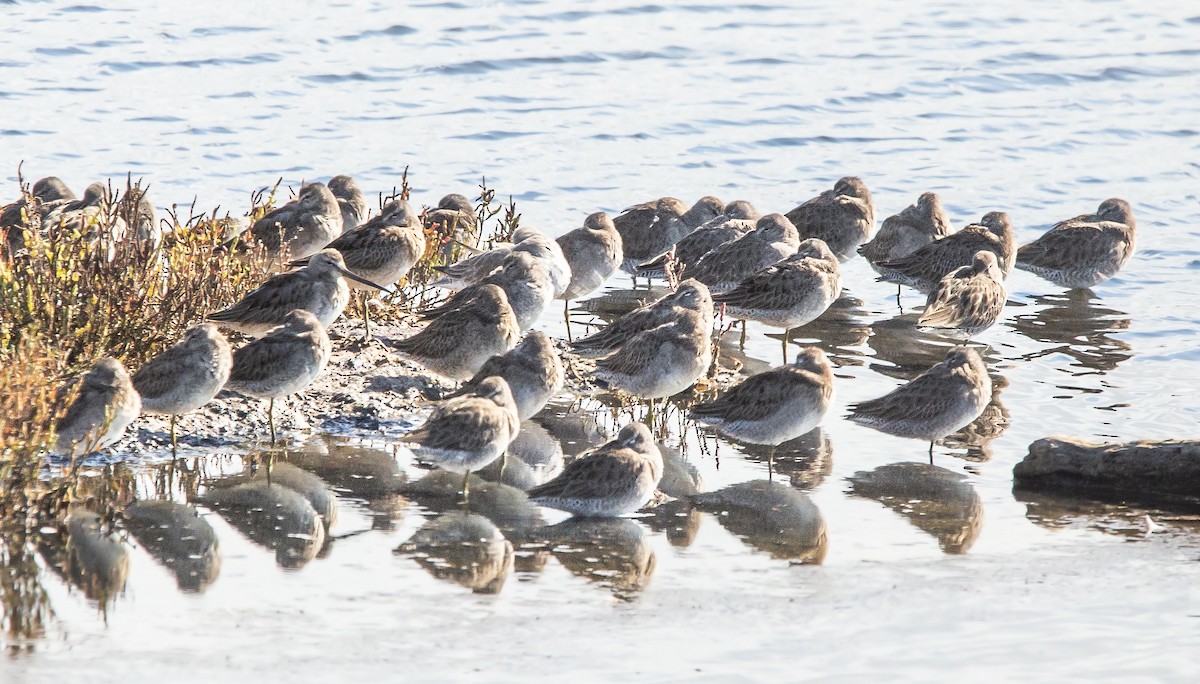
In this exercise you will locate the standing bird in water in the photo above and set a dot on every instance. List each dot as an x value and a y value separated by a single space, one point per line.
611 480
925 268
904 233
381 250
186 376
1083 251
724 268
465 434
776 406
968 300
843 217
593 252
936 403
284 362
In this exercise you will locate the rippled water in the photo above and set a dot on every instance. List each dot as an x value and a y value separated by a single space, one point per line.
1039 109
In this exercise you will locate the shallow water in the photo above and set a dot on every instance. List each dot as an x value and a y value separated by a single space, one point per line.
1040 110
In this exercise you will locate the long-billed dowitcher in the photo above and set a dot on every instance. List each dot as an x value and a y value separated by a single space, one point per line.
529 240
775 406
789 294
136 209
649 229
350 201
968 300
934 404
186 376
298 228
691 295
925 268
662 361
843 217
457 343
773 238
904 233
523 278
105 405
382 250
92 215
532 369
1083 251
740 217
319 288
454 216
283 362
46 195
594 252
611 480
467 433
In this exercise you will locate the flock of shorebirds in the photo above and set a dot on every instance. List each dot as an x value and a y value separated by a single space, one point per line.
779 269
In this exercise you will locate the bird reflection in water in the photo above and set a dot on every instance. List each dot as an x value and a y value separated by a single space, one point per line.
88 555
612 552
361 472
177 537
1130 522
271 515
771 517
977 437
1075 324
843 327
937 501
677 519
531 459
464 548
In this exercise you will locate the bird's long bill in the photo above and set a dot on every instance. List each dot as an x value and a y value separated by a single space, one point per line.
388 289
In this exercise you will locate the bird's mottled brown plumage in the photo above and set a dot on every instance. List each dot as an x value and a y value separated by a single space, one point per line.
483 317
925 268
904 233
614 479
843 217
970 299
1083 251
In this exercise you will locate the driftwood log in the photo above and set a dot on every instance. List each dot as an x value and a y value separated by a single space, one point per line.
1164 473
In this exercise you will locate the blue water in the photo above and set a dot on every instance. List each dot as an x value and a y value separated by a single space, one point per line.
1038 109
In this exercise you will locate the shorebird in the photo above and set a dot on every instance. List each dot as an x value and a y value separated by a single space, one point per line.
1083 251
457 343
138 213
843 217
969 300
789 294
381 250
773 238
319 288
662 361
904 233
105 405
299 228
186 376
91 215
283 362
593 253
455 216
467 433
611 480
523 278
46 195
532 369
648 230
775 406
691 295
740 218
529 240
936 403
351 202
925 268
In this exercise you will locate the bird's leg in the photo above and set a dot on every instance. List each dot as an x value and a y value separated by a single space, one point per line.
931 452
742 341
173 443
567 317
271 417
771 463
787 334
366 316
466 490
898 304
